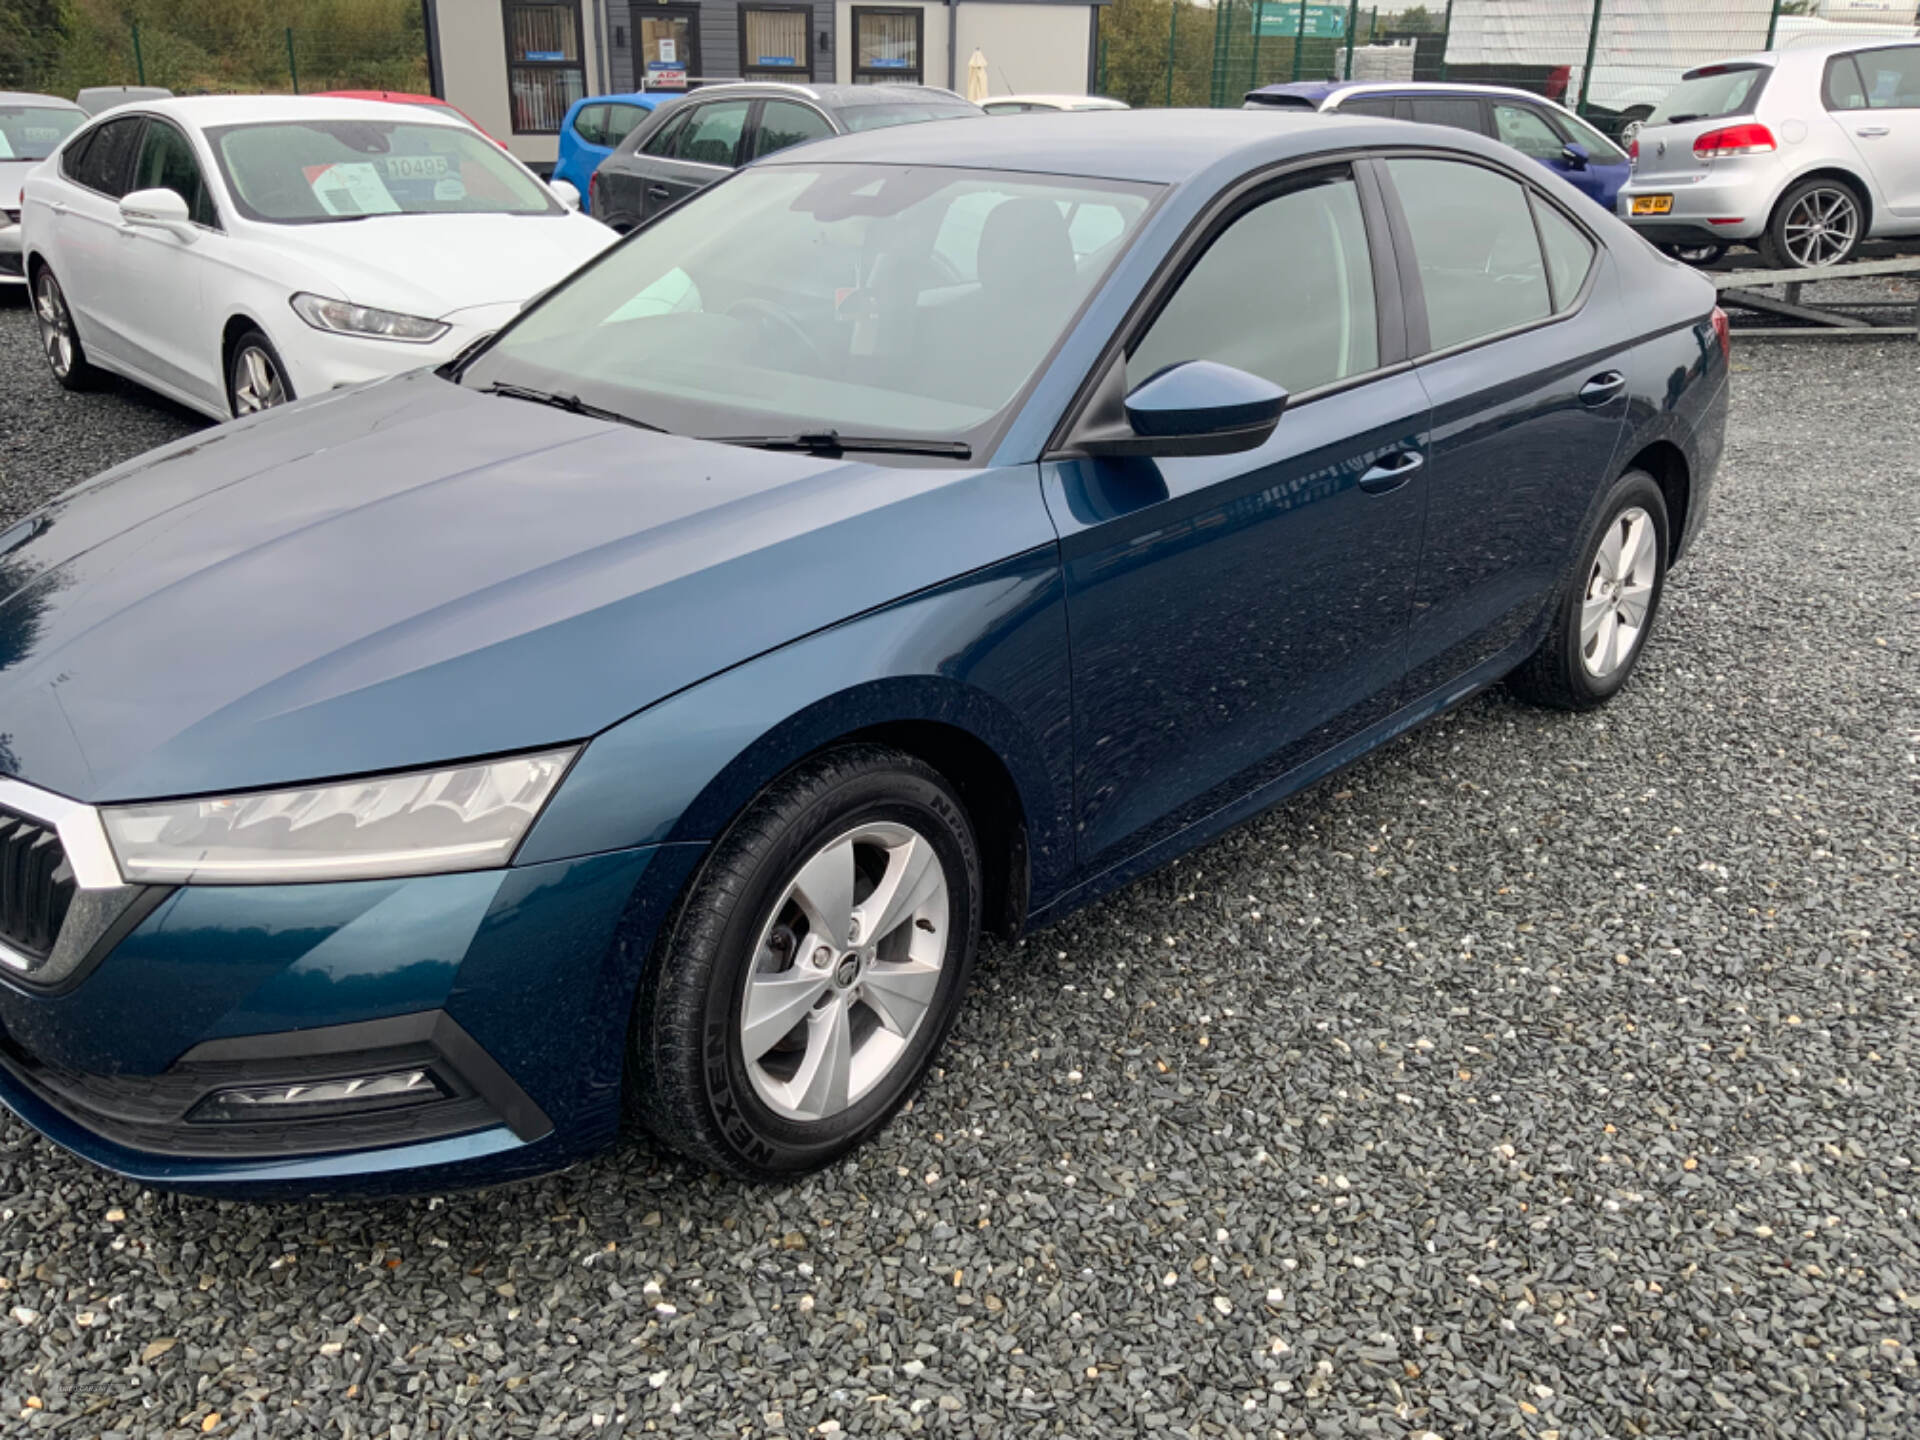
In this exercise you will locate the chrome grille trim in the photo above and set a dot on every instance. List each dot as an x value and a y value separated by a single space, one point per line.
82 835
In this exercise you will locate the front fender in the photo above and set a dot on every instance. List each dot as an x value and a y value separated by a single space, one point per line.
985 654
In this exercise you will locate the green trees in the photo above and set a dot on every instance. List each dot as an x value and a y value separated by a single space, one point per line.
192 46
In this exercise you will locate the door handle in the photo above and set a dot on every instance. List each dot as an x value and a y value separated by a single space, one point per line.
59 209
1392 472
1871 130
1602 388
656 192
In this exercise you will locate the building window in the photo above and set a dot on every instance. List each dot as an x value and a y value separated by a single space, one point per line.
545 71
776 42
886 46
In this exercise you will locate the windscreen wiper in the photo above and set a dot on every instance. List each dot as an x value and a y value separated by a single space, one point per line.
572 404
832 442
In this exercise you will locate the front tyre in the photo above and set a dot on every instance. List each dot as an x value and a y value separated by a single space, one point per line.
813 969
1605 612
256 377
59 338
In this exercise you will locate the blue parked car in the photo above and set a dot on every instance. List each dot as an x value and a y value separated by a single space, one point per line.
590 131
648 714
1536 127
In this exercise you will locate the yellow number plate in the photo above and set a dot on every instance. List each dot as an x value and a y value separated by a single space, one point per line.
1652 204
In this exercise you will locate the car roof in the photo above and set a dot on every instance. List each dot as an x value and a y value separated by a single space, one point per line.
840 97
1152 146
207 110
1327 89
647 98
1094 102
28 97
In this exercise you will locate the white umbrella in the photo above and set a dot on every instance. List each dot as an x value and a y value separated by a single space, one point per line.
977 77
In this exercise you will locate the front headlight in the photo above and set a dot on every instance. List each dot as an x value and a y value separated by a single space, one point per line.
424 822
345 319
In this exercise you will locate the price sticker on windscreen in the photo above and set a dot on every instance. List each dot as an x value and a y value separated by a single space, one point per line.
350 187
415 167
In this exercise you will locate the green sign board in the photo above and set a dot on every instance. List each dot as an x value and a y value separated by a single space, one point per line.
1324 22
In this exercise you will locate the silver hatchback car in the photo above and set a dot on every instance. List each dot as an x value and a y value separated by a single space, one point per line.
1800 153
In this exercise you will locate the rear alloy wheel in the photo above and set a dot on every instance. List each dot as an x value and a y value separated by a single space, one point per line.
256 380
59 341
813 968
1603 615
1817 222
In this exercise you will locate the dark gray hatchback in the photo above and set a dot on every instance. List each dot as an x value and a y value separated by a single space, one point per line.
691 143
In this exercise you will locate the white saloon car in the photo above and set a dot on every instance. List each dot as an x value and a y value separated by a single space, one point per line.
233 252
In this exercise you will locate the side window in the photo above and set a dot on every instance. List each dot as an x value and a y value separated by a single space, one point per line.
108 166
620 122
711 135
663 140
167 162
73 159
591 124
1381 105
1474 241
1306 325
786 122
1569 253
1844 89
1455 114
1892 78
1527 131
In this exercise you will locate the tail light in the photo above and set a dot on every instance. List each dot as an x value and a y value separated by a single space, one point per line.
1723 332
1746 139
1633 148
593 192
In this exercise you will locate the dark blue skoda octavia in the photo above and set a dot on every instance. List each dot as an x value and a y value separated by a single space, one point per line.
918 535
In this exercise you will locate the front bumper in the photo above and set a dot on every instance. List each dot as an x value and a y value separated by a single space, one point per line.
512 987
12 257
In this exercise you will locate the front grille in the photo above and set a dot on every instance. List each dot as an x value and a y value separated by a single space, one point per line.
36 884
10 265
12 217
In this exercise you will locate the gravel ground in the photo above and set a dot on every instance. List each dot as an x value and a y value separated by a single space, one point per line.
1540 1076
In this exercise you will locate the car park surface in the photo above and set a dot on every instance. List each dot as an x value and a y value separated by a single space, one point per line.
1532 124
1803 154
408 981
684 148
232 252
1243 1073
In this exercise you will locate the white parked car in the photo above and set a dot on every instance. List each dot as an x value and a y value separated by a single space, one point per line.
1028 104
31 128
233 252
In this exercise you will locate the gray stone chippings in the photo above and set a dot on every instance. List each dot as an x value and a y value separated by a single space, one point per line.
1542 1075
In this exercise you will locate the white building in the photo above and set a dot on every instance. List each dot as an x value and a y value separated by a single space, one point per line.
516 65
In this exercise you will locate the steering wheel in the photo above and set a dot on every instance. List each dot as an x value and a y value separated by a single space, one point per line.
771 316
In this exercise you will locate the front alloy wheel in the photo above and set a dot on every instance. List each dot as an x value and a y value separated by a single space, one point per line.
813 968
256 380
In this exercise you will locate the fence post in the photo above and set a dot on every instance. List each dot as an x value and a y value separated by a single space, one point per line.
1446 34
293 68
1253 65
139 60
1353 20
1773 24
1593 43
1173 36
1300 39
1103 64
1216 64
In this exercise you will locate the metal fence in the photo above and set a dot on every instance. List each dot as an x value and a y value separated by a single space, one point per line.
1609 59
280 59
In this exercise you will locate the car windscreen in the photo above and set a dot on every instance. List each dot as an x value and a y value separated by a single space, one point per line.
1710 93
33 132
899 301
880 117
310 172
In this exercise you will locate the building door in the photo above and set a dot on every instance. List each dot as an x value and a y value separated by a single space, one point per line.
667 48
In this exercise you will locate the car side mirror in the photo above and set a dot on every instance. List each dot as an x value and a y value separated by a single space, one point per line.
565 192
1198 407
157 209
1575 156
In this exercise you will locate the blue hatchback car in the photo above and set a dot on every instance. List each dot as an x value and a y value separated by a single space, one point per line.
1531 124
592 128
648 714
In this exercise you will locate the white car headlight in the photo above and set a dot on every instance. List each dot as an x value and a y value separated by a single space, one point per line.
343 318
424 822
